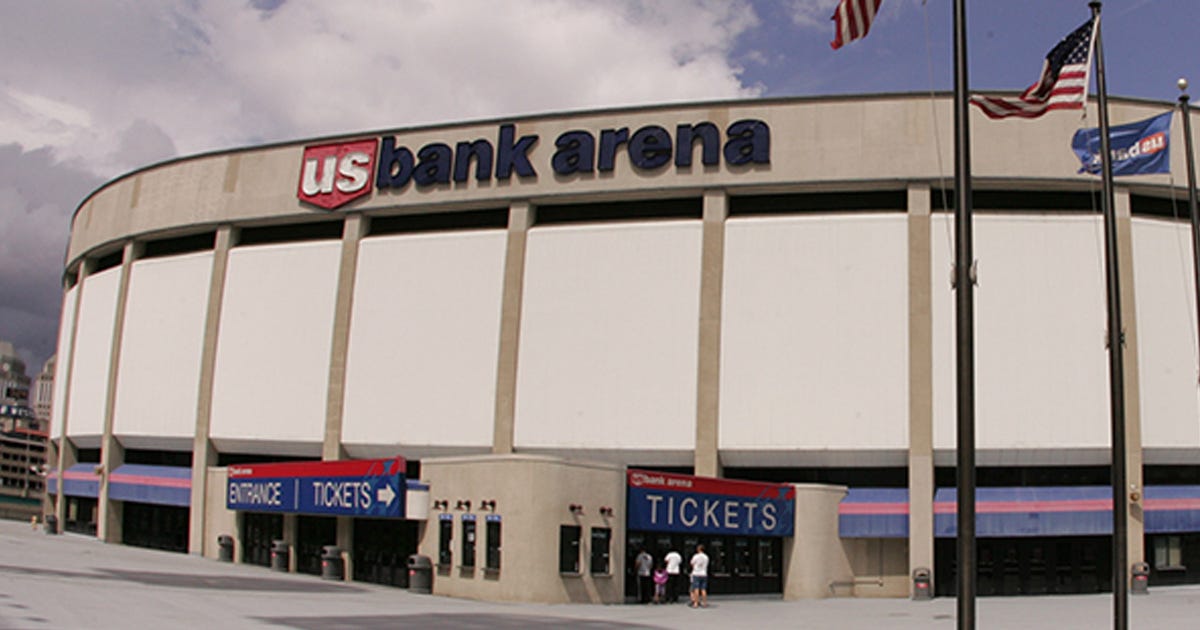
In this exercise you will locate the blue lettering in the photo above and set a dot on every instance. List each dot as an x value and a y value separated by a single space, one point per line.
481 150
749 142
685 141
434 167
395 165
610 141
575 151
650 147
513 156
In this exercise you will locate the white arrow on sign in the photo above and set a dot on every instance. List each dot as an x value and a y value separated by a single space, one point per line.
385 494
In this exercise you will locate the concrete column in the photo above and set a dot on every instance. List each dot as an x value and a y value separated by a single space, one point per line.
345 542
291 534
112 455
521 216
204 454
1133 420
67 454
353 230
708 364
920 380
813 559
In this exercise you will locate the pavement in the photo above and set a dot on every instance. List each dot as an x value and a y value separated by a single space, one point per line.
74 582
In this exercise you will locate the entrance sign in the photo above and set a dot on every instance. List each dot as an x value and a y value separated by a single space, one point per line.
371 487
664 502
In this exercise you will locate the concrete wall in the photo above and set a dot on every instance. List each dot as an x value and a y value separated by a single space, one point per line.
93 350
160 351
424 333
813 559
272 363
532 495
217 519
814 340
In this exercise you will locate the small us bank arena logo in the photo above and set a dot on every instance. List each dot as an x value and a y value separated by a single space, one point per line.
333 175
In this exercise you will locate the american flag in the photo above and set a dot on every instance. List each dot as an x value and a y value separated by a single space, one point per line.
1063 84
852 20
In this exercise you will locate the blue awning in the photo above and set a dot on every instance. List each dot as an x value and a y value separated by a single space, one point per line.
1018 511
874 513
79 480
157 485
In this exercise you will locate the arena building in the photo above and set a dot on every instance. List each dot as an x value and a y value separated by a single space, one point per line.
527 348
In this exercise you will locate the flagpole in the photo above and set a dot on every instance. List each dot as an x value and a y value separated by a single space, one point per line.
964 310
1120 523
1191 179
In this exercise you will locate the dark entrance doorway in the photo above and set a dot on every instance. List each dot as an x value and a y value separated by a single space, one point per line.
258 531
155 526
313 533
1031 566
738 565
381 550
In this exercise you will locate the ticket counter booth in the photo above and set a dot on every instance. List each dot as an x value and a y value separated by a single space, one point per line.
741 524
359 506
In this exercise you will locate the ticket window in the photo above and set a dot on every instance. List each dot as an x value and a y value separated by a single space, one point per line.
601 551
568 548
468 543
492 551
445 540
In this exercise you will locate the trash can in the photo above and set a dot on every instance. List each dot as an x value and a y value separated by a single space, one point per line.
225 548
279 555
420 574
1141 579
921 590
51 524
332 565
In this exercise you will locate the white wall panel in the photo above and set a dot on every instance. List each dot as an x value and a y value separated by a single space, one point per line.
272 363
1041 379
1166 304
62 360
424 336
609 336
814 339
93 350
159 376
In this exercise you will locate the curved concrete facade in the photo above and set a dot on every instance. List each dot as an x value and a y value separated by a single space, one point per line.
634 302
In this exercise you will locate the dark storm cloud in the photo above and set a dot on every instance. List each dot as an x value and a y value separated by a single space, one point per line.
37 198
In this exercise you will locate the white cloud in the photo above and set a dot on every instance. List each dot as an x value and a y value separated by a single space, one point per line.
215 74
89 90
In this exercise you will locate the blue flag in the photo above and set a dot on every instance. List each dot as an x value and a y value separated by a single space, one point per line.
1137 148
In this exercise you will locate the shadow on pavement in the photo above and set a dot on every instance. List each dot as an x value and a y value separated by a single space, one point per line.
438 621
185 580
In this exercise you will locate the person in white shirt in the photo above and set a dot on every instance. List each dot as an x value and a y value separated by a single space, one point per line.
674 576
644 563
699 563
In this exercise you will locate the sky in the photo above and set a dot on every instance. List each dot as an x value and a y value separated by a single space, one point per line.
92 89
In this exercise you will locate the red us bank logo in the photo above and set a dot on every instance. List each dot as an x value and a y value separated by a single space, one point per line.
333 175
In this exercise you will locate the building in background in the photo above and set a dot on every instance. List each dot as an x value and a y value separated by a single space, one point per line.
43 392
525 348
23 440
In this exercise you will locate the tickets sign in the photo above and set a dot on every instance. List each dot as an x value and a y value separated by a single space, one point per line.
374 487
666 502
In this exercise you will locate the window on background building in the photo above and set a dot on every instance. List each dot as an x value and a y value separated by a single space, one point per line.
1168 553
468 544
445 539
492 555
568 548
601 545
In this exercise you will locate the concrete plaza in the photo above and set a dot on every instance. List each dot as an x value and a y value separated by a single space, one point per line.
68 582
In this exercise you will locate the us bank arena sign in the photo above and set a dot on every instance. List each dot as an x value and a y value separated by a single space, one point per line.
365 487
663 502
333 175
